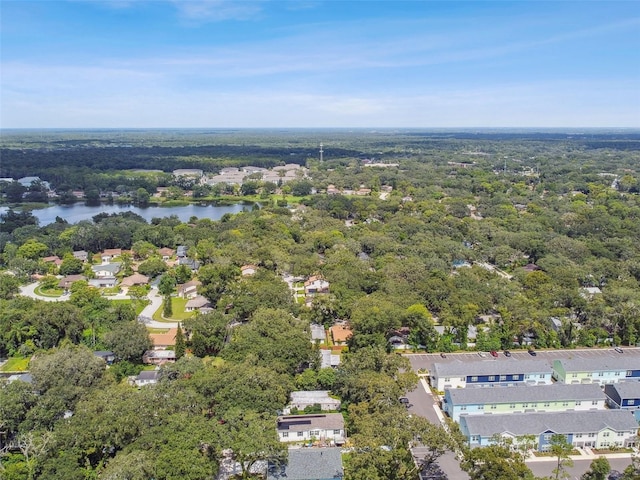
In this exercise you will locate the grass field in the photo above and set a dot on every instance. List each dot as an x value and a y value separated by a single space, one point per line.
49 292
16 364
177 304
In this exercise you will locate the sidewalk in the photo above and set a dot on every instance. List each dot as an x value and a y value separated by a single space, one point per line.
585 454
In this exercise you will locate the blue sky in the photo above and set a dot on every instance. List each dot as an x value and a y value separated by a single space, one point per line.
217 63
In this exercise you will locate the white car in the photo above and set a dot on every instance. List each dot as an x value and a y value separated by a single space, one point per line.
482 354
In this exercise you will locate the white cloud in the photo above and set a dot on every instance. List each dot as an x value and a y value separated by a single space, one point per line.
204 11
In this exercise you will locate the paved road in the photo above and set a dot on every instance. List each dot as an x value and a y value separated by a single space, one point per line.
545 468
147 313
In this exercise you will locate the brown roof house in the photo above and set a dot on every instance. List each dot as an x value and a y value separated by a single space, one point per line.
68 280
53 259
340 333
166 253
109 254
316 284
248 270
162 341
135 279
189 289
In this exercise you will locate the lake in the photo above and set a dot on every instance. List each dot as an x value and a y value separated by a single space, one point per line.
78 212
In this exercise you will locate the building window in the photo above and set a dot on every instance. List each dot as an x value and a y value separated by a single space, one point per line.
578 435
474 379
492 378
534 405
503 378
525 405
565 404
541 375
480 407
601 374
463 408
513 405
621 434
631 402
446 379
336 432
578 402
547 437
617 374
516 377
594 402
301 434
314 433
285 434
605 434
547 404
574 375
589 374
493 407
475 438
629 373
591 435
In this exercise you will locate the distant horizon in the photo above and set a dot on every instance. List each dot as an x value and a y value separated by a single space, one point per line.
165 64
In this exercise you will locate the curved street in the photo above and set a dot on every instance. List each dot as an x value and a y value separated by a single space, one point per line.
146 316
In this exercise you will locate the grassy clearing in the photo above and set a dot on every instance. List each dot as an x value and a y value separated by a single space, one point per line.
137 306
48 292
16 364
178 306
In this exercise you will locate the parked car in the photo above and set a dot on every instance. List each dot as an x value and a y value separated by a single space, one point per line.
619 350
507 353
532 352
443 355
494 353
404 400
482 354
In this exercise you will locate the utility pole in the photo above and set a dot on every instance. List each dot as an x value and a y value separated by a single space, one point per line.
321 151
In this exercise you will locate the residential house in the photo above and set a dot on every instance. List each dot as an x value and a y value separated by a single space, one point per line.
624 395
66 282
135 279
103 282
146 377
109 254
340 333
248 270
593 428
158 357
325 427
181 251
162 341
53 259
107 356
522 399
318 333
196 303
81 255
166 253
489 373
189 289
329 359
106 270
194 265
611 369
590 292
309 464
316 284
308 398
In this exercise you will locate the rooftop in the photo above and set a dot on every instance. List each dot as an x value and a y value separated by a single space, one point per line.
616 361
626 389
302 423
557 422
538 393
309 464
490 367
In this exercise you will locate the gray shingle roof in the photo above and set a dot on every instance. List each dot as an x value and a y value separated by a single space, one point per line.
627 389
539 393
303 423
556 422
310 464
491 367
599 364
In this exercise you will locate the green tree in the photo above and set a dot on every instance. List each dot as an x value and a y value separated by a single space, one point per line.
128 340
9 286
152 267
598 470
180 346
71 265
167 307
32 249
495 462
561 449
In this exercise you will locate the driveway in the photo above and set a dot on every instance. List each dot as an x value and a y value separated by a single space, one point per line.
30 291
146 316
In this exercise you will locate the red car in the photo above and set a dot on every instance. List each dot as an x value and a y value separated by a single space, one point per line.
494 353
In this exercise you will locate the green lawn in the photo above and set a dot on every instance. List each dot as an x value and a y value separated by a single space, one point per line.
49 292
16 364
177 304
138 306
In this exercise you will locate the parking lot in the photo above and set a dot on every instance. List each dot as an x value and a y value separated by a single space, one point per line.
425 360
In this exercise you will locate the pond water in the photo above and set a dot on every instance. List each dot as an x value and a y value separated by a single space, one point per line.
78 212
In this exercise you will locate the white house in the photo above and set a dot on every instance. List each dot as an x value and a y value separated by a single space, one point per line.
595 428
308 398
146 377
325 427
316 284
106 270
522 399
489 373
